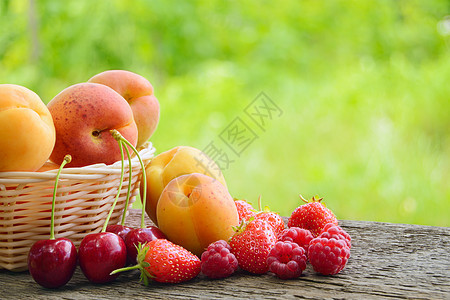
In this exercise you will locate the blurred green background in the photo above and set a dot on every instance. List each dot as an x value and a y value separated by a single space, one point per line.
363 86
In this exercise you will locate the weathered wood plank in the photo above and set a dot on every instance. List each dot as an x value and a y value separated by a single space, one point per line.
387 261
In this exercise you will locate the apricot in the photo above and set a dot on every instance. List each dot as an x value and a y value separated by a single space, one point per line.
138 91
195 210
168 165
48 166
83 115
27 132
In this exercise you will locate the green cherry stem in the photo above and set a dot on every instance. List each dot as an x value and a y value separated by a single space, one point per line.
144 274
130 170
118 190
67 159
116 134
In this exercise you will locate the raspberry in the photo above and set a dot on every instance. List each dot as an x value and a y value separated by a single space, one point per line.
287 260
328 256
218 261
334 231
298 235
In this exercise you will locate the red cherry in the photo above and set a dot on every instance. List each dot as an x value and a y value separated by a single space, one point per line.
143 236
52 262
120 230
100 254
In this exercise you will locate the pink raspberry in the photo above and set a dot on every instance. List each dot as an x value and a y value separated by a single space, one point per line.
328 256
218 261
335 231
287 260
298 235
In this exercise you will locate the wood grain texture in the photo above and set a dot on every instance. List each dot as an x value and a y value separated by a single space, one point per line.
387 261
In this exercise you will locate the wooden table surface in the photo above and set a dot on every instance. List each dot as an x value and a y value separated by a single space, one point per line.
387 261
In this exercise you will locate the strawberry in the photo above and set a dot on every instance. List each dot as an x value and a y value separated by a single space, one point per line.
251 244
273 219
164 261
245 209
270 217
312 216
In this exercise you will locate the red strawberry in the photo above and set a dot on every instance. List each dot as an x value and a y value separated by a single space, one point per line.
163 261
312 216
170 263
273 219
270 217
251 245
245 210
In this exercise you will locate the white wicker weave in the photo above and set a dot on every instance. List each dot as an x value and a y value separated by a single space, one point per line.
83 200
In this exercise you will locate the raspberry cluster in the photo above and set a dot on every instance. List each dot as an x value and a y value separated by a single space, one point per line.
328 254
261 243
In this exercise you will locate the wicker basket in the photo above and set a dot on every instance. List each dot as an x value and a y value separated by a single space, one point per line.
83 200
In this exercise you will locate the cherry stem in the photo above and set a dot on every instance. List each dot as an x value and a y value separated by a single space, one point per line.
130 170
141 264
67 159
138 266
116 134
122 169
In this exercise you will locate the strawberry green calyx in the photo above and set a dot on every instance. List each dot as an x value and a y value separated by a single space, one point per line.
67 159
141 264
142 252
241 227
313 199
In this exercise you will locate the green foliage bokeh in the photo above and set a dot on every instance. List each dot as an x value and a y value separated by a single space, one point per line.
363 87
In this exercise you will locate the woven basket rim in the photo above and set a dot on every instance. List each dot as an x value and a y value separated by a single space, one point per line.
95 171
